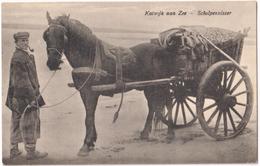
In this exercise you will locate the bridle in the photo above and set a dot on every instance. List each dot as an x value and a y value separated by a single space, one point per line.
55 49
76 91
64 31
84 83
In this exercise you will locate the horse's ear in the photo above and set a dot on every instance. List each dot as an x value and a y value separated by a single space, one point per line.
49 19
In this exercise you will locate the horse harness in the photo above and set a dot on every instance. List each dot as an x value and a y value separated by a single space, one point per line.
119 82
120 85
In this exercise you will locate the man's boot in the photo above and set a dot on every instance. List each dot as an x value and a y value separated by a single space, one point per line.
14 151
32 154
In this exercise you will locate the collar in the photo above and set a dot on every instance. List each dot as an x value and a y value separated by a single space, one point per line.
27 51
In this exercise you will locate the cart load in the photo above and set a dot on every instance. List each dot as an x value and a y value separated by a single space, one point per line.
193 52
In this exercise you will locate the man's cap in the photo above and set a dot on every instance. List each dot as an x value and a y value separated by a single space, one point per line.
21 35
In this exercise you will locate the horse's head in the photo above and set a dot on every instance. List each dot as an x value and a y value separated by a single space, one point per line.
56 38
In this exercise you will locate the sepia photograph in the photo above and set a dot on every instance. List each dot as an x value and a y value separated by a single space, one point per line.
149 82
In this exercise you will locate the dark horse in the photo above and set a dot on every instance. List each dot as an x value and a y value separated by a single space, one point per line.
78 43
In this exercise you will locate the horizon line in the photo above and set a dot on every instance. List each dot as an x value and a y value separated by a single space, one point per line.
96 29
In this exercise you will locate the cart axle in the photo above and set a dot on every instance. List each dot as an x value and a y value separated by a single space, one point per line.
227 100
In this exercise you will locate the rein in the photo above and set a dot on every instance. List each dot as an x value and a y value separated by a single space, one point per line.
76 91
55 49
96 62
47 83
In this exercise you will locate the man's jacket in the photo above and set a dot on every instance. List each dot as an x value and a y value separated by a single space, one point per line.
23 81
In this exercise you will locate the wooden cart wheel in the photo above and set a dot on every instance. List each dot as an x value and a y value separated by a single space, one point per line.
224 100
180 109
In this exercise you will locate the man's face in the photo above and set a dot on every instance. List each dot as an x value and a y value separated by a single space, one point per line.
23 43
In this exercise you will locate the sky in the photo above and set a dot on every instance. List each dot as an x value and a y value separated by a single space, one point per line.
131 15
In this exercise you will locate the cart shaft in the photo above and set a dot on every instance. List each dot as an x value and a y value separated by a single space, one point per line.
133 85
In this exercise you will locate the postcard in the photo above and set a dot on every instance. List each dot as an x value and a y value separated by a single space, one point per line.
129 82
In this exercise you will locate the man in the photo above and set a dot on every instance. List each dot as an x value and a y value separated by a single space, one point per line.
24 100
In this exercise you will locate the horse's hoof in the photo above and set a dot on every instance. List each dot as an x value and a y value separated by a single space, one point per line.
170 136
144 136
82 153
84 150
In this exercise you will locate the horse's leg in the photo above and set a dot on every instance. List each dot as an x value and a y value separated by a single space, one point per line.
90 99
159 104
170 133
156 101
148 123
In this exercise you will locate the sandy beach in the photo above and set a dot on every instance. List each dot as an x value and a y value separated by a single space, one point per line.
63 129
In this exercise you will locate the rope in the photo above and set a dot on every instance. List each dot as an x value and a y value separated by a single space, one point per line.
53 105
222 52
49 80
63 100
76 91
21 126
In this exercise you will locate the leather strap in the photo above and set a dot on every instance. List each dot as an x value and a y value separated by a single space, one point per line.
116 56
97 60
119 74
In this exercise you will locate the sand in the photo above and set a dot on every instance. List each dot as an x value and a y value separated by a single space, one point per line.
63 127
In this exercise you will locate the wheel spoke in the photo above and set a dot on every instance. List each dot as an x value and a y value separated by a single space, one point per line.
241 104
185 102
225 122
166 114
183 113
240 93
224 110
212 115
176 113
236 113
191 100
173 104
218 120
232 76
225 79
231 120
172 101
235 87
209 107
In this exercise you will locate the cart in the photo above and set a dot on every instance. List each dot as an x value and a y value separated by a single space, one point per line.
217 87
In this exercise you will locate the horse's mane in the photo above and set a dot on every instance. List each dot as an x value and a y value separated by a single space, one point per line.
77 29
81 41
